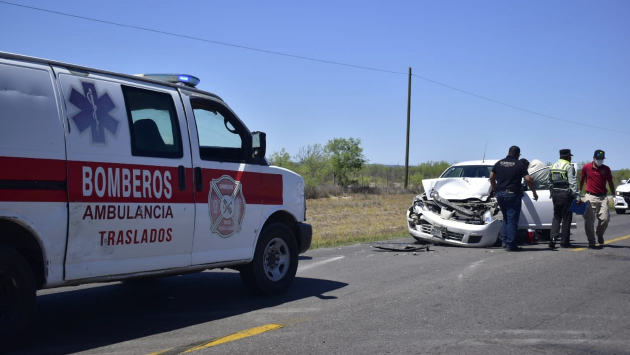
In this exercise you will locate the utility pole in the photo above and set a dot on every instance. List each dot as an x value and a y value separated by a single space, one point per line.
408 124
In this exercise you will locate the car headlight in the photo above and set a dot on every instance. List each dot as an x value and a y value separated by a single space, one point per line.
487 217
419 204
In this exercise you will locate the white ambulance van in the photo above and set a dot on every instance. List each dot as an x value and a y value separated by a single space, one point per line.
106 176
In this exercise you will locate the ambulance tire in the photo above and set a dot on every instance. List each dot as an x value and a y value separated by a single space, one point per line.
17 297
275 262
620 211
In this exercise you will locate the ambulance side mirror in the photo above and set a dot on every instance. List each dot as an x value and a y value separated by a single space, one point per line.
259 144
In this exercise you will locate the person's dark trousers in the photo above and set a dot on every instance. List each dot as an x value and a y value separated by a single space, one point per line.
510 205
561 214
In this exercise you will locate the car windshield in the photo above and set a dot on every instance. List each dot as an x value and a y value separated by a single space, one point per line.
469 171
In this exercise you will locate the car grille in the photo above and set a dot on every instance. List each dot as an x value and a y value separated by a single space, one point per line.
428 229
626 196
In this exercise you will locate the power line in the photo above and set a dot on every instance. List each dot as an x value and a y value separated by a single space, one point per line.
201 39
304 58
521 109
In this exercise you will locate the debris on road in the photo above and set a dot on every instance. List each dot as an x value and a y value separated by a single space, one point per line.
398 247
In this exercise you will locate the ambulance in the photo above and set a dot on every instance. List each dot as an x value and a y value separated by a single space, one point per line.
106 176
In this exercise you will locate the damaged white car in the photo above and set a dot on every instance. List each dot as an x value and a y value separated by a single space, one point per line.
622 197
457 208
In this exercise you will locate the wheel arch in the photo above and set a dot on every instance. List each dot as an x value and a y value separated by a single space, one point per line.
287 219
24 241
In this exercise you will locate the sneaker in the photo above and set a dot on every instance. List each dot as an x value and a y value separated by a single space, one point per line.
600 241
552 245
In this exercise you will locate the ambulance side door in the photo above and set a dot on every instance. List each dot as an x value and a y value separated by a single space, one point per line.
129 177
227 182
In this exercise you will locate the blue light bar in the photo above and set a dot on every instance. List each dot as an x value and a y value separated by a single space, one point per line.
183 79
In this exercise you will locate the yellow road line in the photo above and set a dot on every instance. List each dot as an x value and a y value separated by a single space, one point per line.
236 336
606 242
222 340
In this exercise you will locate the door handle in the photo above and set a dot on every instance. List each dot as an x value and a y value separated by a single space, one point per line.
198 179
181 174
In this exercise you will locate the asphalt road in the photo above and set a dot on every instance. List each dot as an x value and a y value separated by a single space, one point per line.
363 300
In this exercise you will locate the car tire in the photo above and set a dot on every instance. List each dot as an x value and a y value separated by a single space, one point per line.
275 261
543 235
620 211
17 297
498 242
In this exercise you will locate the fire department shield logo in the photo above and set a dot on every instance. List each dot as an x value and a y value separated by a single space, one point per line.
227 206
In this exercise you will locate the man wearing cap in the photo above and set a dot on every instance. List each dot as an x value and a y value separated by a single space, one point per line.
596 174
505 179
564 190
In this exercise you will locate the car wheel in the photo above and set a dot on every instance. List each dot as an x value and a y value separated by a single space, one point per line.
275 261
498 242
17 297
619 211
546 234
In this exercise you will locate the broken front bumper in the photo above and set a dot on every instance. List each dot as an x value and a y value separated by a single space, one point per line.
431 227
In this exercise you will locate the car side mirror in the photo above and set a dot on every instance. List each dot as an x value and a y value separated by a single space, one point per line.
259 144
624 181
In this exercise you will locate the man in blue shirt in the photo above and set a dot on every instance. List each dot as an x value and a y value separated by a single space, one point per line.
505 179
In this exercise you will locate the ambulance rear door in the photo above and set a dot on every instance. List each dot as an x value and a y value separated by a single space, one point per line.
33 159
130 187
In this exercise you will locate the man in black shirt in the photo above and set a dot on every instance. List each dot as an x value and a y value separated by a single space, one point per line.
505 179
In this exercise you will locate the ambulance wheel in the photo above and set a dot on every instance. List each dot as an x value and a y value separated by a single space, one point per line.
17 297
275 261
620 211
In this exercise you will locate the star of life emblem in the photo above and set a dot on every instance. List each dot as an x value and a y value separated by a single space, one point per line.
94 112
227 206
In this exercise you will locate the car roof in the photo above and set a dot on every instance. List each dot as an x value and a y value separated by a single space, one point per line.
486 162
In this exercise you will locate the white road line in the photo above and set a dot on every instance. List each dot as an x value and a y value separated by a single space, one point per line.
471 267
318 263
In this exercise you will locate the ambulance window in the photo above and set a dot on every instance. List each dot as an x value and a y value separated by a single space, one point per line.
220 134
153 123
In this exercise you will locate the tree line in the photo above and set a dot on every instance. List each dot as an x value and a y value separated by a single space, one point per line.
339 167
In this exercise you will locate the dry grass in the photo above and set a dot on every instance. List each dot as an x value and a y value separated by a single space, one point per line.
357 218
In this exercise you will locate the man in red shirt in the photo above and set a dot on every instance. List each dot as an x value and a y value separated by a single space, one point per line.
596 174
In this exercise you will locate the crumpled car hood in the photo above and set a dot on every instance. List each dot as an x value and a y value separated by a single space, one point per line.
458 188
623 188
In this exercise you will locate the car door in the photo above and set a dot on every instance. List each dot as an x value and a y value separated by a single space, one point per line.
129 177
227 182
538 214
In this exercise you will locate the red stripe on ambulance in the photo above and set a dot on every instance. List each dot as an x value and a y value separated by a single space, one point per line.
268 193
119 183
33 195
127 183
32 169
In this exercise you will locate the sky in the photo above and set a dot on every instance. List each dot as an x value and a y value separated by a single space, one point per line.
487 74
